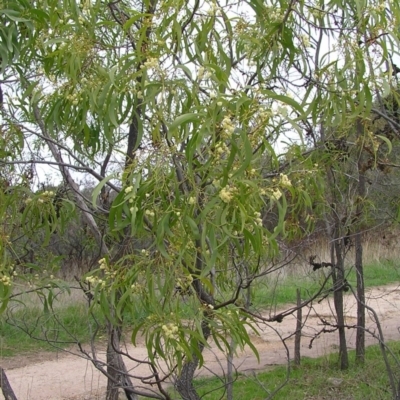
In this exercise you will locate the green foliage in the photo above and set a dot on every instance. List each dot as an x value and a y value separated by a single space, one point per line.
192 105
312 380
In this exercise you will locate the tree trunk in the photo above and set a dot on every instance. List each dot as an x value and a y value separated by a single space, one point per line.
115 363
112 371
338 285
6 388
116 369
337 260
184 383
229 372
297 338
360 334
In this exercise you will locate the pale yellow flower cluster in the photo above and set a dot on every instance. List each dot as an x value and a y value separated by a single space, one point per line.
226 194
44 197
128 189
151 62
258 219
284 180
200 73
192 200
275 194
6 280
184 283
87 4
305 39
137 288
221 148
276 15
149 213
73 98
170 331
94 280
252 172
227 126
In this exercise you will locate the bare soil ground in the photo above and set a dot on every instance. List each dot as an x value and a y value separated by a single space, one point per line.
61 375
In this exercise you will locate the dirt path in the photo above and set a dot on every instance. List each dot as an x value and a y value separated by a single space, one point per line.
56 376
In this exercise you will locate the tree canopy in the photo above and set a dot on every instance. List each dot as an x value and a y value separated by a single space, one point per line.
207 128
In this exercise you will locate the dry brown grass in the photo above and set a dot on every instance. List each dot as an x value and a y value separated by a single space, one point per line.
26 295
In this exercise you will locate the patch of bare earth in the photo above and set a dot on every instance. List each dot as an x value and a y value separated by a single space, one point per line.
56 376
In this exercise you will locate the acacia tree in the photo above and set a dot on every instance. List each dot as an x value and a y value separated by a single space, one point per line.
176 109
346 137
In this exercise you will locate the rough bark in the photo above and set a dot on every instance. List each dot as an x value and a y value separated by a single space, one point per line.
297 338
337 260
229 372
6 388
112 371
338 301
116 368
360 334
133 134
184 383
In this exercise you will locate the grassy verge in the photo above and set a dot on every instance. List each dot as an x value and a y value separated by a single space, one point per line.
72 323
283 290
31 329
314 379
379 273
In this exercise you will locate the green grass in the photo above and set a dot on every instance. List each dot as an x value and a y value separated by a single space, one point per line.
378 274
283 291
30 329
74 316
312 380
